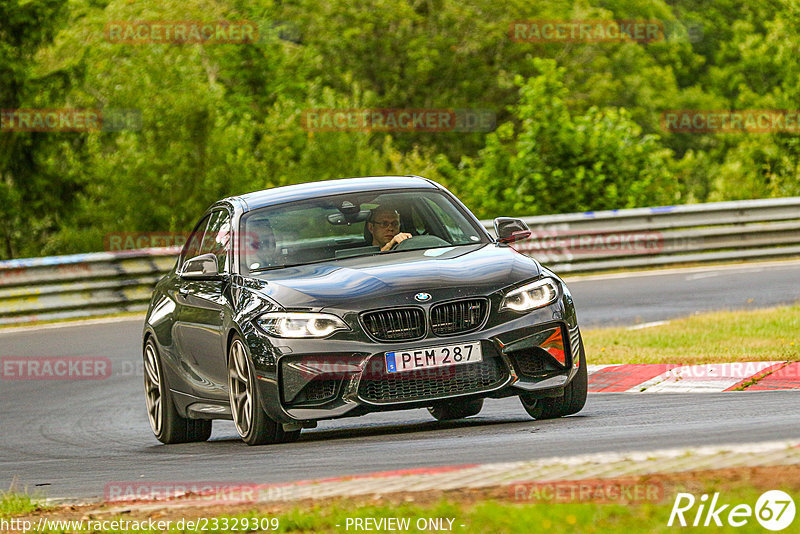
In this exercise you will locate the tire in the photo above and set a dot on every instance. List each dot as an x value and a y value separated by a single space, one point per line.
167 424
571 402
456 409
252 423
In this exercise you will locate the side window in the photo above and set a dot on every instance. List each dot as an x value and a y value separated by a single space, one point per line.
192 246
218 237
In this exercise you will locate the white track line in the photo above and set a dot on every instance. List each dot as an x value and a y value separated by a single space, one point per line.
70 324
575 278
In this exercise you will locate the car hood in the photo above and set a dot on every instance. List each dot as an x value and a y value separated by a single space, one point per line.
395 278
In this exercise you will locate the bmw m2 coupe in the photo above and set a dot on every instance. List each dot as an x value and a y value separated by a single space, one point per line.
340 298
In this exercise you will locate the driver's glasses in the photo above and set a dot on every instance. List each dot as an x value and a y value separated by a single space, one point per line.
387 224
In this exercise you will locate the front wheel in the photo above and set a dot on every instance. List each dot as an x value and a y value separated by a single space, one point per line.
456 409
571 402
167 424
252 422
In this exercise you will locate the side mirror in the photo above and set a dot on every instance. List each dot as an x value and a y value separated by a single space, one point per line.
202 267
509 229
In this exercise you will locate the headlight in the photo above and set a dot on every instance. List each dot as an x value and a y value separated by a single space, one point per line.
531 296
296 324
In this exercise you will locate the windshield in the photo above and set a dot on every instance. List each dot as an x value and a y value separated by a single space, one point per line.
345 226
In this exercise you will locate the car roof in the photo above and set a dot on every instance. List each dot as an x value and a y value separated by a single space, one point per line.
278 195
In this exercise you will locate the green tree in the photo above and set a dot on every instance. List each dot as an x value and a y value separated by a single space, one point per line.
32 201
559 161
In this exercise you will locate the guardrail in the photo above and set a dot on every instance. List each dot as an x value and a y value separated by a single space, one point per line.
80 285
83 285
667 235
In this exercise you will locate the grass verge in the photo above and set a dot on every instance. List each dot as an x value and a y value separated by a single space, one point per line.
771 334
13 503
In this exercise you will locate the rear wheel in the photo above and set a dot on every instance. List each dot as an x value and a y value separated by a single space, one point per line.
165 421
252 422
571 402
456 409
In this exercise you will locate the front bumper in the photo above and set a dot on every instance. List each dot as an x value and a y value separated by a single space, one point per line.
306 380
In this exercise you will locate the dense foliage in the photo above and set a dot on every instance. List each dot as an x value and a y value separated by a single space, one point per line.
578 124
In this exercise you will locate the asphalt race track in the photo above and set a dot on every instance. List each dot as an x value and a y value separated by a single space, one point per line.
71 438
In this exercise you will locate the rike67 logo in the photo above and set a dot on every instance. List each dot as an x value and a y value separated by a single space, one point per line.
774 510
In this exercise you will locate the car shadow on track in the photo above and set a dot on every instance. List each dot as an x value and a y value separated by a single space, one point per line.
407 429
222 438
396 429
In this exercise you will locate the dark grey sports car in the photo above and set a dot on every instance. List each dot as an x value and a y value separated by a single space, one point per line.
339 298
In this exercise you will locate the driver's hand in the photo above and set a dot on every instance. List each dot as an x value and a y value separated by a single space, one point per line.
396 240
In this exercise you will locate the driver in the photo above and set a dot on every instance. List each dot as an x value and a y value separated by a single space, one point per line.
384 225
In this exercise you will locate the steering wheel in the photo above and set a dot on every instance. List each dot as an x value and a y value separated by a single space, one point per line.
420 241
397 246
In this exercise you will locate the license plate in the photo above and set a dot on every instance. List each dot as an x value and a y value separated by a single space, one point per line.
427 358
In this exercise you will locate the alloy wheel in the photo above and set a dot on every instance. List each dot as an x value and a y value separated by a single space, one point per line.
240 385
152 388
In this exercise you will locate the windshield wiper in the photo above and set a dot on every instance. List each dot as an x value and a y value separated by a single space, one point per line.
273 267
377 253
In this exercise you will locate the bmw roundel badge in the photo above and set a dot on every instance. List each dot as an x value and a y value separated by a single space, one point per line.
423 297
